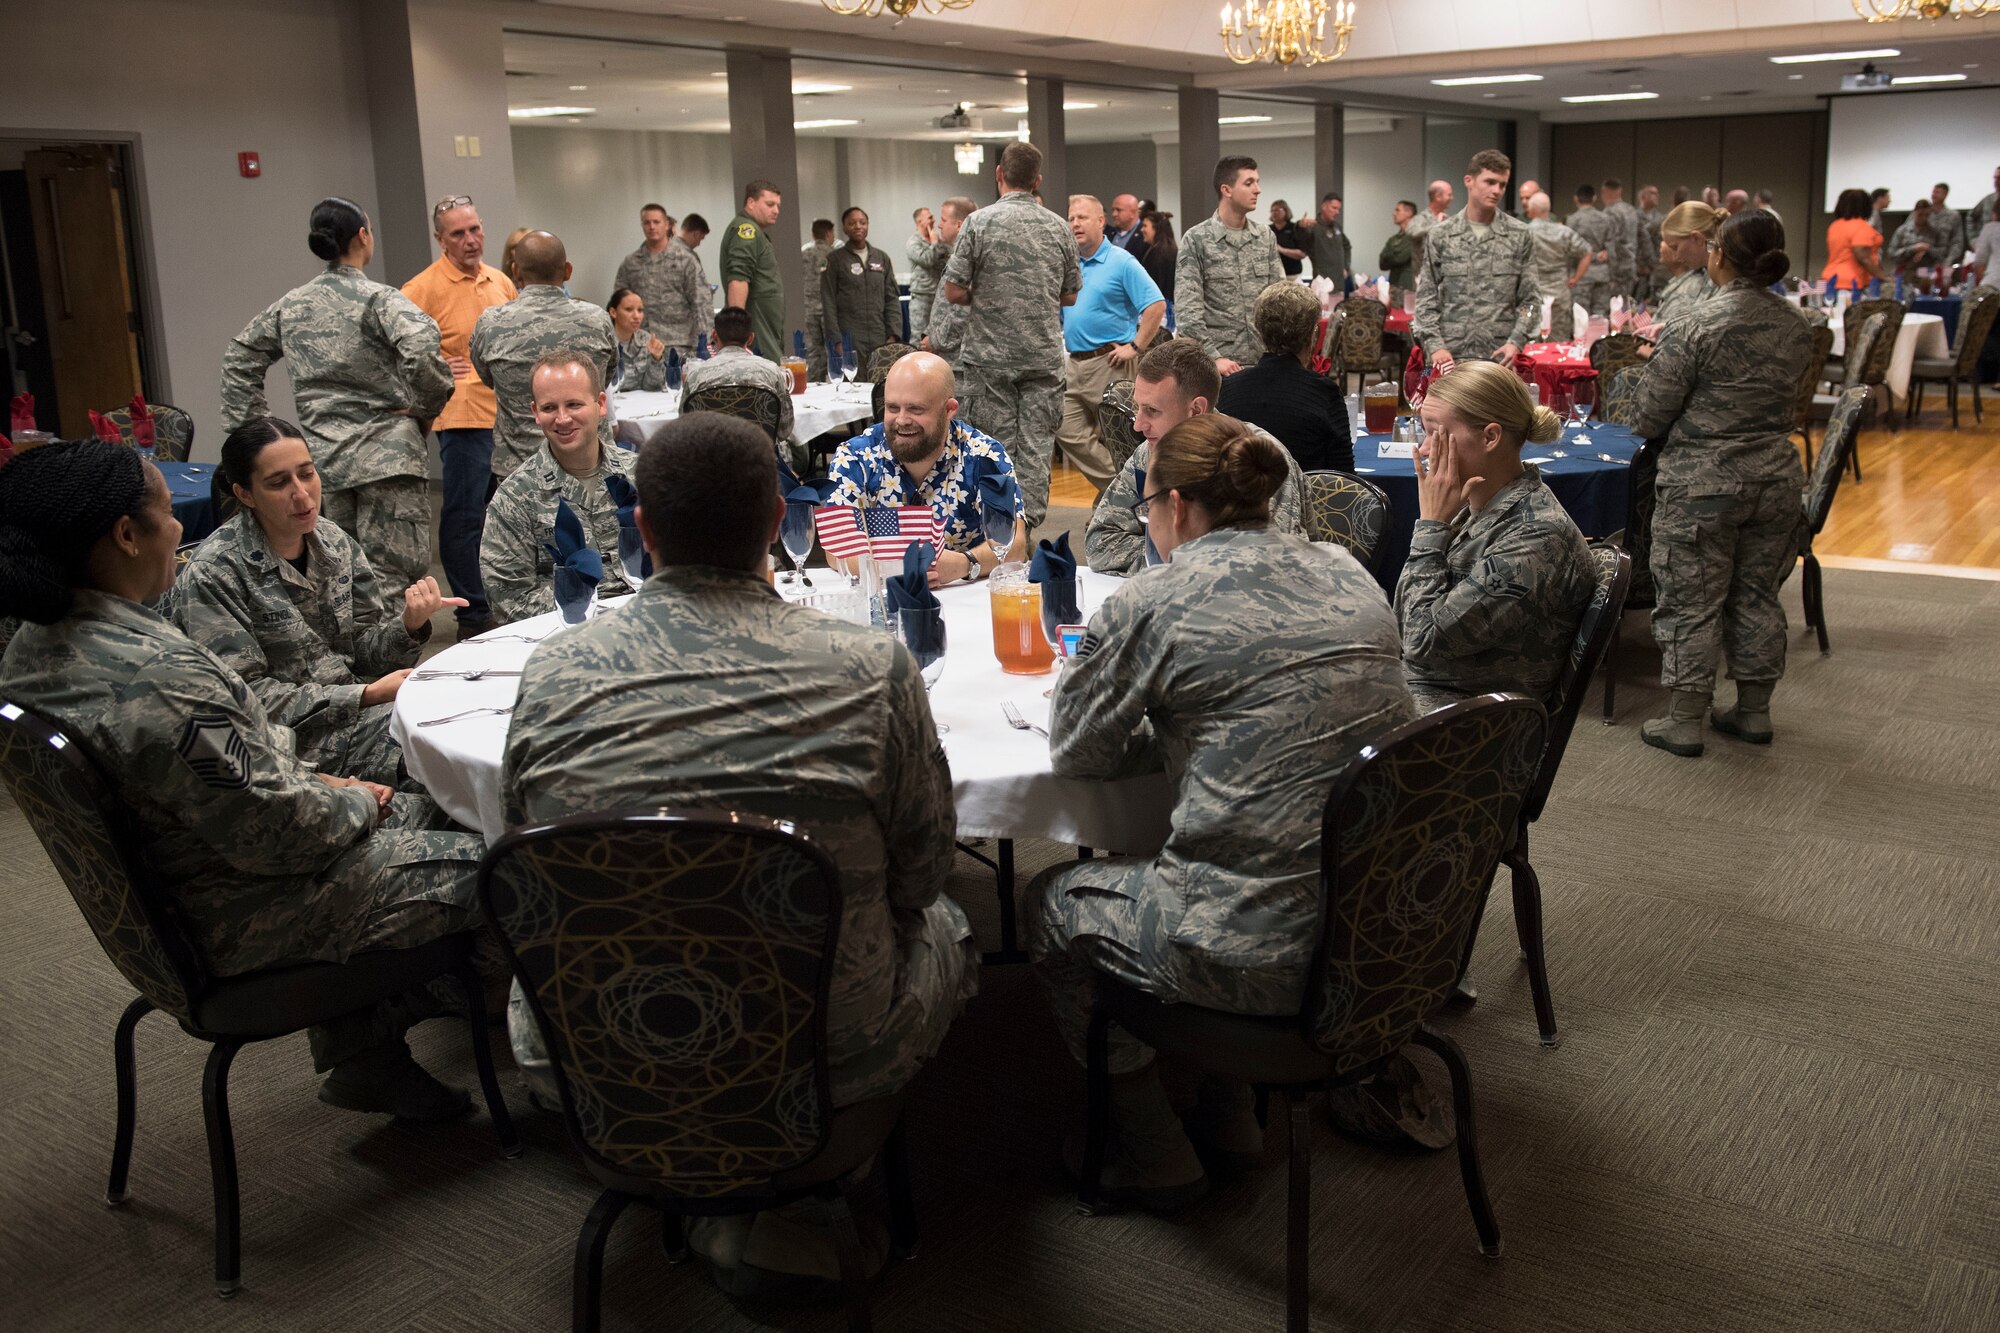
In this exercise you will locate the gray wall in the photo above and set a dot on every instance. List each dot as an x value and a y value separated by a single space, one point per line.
1449 144
1111 169
282 77
1381 168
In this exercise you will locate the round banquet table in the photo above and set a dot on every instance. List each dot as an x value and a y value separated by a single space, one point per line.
1920 335
821 408
1002 785
1593 489
189 484
1556 366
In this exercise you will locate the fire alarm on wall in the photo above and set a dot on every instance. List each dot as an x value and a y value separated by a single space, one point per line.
249 164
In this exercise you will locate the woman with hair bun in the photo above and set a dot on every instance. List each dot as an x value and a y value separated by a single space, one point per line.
1686 234
266 862
1725 526
367 376
1498 575
1248 666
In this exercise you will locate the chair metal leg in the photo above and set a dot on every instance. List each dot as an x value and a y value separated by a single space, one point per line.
482 1056
1097 1113
1528 929
1298 1215
847 1241
126 1064
1818 603
222 1168
1468 1144
902 1201
1951 395
1978 414
1462 990
1611 673
1010 950
587 1283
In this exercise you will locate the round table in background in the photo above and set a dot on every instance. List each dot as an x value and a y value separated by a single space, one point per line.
1556 366
821 408
1921 335
189 484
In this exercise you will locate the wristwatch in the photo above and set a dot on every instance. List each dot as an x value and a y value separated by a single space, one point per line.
977 572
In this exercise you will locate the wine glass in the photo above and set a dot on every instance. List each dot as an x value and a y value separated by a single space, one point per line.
921 630
673 371
632 555
848 365
796 531
1582 397
998 527
1062 604
1558 403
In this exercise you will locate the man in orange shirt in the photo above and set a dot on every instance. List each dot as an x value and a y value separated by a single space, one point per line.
453 291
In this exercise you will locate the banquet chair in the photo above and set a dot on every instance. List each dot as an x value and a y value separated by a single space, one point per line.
1841 428
1613 352
1116 430
1875 336
1341 507
1636 540
1802 402
1594 632
753 403
1975 321
90 836
173 430
691 1060
1619 403
1851 319
1454 779
1361 322
879 361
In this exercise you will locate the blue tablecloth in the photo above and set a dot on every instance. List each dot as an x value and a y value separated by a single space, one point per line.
1592 490
189 483
1946 306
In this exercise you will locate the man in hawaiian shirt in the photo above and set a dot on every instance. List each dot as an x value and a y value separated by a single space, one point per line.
922 454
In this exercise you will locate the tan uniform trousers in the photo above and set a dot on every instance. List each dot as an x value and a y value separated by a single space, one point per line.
391 521
1084 383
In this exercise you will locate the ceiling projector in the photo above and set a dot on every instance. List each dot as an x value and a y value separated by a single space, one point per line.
1869 80
958 119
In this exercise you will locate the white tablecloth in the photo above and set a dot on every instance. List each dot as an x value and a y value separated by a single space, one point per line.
821 408
1921 335
1001 782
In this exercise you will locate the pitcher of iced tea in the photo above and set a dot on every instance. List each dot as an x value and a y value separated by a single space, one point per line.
1378 407
1018 642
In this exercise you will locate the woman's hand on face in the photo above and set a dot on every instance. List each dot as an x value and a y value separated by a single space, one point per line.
1440 491
422 600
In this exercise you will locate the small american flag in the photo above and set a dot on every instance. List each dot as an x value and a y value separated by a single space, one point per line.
885 533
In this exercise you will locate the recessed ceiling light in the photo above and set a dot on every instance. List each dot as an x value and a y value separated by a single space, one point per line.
1473 80
953 41
1902 79
804 89
1819 56
1241 120
718 74
543 112
579 87
1067 106
1795 76
821 124
1614 97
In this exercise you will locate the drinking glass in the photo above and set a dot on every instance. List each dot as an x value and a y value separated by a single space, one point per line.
576 610
1062 604
921 630
1582 397
998 527
673 372
1378 407
848 365
1558 403
632 555
796 531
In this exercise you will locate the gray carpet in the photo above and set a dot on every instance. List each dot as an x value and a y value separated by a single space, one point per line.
1777 1105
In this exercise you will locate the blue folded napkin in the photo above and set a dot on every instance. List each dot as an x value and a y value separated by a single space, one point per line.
1054 567
922 634
804 494
630 544
1152 551
579 568
998 490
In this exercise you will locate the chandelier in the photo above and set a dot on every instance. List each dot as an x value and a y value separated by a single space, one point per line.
1283 31
1888 11
902 9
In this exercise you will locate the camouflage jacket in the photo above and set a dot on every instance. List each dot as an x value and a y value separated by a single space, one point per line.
1249 667
307 644
1019 262
365 368
1985 211
1596 228
1477 292
1216 281
927 261
1681 295
1114 542
1901 252
1625 230
812 268
710 691
635 366
1948 225
675 291
947 330
514 560
509 339
1557 250
1721 389
1648 257
260 857
1491 600
734 365
866 475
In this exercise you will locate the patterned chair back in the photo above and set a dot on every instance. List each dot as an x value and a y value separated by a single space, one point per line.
1414 827
1835 446
1116 429
1857 313
1874 366
1611 354
1351 510
879 361
1619 403
1594 633
1822 350
88 833
1361 323
1975 321
1860 354
678 966
753 403
173 431
1638 535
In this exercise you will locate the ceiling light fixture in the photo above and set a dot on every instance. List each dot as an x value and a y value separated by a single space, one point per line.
803 89
1241 120
1475 80
969 156
1888 11
1067 106
821 124
579 87
1612 97
1283 31
902 9
1902 79
544 112
1823 57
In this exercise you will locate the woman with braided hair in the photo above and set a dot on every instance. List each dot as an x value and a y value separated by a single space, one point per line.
266 861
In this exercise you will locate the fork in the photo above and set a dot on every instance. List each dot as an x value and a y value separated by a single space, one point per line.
477 673
1019 723
508 638
470 712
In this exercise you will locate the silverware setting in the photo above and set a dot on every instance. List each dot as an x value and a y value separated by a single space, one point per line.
470 712
1622 462
477 673
1019 723
507 638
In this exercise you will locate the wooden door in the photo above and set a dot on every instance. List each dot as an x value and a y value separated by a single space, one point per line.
76 194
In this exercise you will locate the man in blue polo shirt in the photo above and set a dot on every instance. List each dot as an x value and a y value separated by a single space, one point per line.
1116 315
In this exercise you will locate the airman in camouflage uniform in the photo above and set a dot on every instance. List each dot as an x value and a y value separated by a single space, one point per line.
826 725
1017 261
859 299
1594 225
733 364
637 368
1649 245
1948 225
1491 600
946 334
367 376
1725 525
1477 292
509 339
675 291
1920 228
1115 540
267 863
1217 278
307 643
1681 295
1626 231
812 269
927 261
521 522
1558 251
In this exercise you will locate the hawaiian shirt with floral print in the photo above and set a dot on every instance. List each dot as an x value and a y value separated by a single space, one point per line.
866 475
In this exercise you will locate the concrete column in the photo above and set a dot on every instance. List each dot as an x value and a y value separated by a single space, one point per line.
1329 153
763 145
1201 149
1046 132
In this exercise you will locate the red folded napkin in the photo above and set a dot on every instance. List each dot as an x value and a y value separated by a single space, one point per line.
23 413
142 422
107 429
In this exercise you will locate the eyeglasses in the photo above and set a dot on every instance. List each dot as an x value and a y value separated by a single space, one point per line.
1138 507
449 202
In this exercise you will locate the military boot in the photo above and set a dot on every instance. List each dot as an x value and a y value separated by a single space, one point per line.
1679 732
388 1081
1148 1161
1750 719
